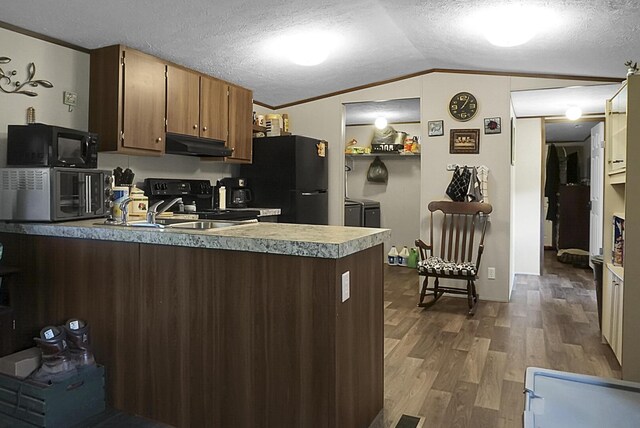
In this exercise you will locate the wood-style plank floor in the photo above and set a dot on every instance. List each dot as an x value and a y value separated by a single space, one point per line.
452 370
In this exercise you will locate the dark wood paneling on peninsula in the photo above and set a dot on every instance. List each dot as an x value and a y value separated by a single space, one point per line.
209 338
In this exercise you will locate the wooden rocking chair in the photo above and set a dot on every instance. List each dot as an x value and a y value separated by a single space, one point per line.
455 259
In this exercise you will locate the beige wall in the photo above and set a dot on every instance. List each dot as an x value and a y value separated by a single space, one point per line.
528 194
324 119
493 95
66 69
403 184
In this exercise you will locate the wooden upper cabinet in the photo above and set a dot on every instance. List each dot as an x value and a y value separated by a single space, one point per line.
127 101
240 124
214 109
183 101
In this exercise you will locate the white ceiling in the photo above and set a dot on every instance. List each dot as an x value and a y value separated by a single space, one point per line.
378 40
563 132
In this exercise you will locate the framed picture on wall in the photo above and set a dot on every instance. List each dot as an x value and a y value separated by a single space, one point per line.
492 125
464 141
435 128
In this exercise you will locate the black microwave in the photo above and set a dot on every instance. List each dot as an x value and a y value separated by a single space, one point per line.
38 144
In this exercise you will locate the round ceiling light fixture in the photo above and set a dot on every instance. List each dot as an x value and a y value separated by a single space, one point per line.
573 113
381 122
309 49
514 25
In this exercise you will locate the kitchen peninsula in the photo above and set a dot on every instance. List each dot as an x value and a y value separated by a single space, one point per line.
243 326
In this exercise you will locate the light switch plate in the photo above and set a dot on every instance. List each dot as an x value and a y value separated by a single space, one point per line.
345 286
491 273
70 98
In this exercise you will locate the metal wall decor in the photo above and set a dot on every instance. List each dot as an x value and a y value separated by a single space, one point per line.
16 87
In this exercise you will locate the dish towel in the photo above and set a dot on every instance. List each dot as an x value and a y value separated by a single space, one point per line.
483 176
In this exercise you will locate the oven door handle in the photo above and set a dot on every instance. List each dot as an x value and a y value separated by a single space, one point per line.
87 193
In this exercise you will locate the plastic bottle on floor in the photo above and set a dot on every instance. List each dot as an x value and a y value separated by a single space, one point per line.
403 256
392 258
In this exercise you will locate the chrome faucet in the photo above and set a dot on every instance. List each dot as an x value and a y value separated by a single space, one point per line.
153 209
124 210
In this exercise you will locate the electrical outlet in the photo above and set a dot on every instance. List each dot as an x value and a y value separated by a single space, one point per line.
491 273
345 286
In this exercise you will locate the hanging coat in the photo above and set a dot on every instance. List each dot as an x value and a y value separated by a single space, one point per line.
552 183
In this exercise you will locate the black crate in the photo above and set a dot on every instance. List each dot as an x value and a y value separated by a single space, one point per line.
386 148
30 404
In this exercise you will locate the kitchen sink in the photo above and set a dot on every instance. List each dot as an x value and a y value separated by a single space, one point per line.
182 224
202 224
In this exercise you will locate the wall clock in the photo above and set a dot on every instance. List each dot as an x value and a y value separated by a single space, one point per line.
463 106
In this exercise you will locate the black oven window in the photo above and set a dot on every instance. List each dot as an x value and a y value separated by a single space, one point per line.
70 150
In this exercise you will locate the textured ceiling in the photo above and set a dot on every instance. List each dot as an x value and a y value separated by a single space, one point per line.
237 39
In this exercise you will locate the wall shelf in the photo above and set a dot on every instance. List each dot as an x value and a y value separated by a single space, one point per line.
382 155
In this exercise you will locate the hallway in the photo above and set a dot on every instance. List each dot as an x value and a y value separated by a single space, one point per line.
455 371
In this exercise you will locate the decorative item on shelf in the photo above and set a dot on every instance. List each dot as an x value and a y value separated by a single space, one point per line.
463 106
273 127
260 120
632 68
353 148
617 258
492 125
15 87
285 122
435 128
464 141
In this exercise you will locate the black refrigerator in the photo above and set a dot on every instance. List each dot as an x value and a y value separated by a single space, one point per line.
290 173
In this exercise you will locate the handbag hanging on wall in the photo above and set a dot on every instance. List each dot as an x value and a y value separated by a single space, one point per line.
377 171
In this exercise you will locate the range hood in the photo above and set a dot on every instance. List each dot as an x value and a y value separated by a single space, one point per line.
192 146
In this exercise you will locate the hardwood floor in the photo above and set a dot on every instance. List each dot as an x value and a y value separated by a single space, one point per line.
457 371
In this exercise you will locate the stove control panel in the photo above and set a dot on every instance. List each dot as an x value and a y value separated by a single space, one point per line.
176 187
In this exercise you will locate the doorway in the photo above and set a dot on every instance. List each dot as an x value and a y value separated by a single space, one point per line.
572 183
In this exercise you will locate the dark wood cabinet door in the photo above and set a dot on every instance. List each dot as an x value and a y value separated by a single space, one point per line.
183 101
240 124
143 102
214 109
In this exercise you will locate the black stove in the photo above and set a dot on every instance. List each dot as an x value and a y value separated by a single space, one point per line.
192 192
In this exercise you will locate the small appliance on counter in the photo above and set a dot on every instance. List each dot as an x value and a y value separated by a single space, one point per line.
237 193
197 198
54 194
38 144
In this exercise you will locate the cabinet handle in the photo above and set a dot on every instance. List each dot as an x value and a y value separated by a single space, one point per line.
195 126
159 140
204 128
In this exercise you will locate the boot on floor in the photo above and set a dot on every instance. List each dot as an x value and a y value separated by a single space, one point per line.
79 343
56 364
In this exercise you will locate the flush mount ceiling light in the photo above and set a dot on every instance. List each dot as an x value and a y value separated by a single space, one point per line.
573 113
310 48
381 123
514 25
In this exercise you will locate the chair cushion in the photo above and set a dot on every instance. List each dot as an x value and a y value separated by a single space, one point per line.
439 267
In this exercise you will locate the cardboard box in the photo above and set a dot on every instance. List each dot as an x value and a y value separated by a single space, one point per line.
22 363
